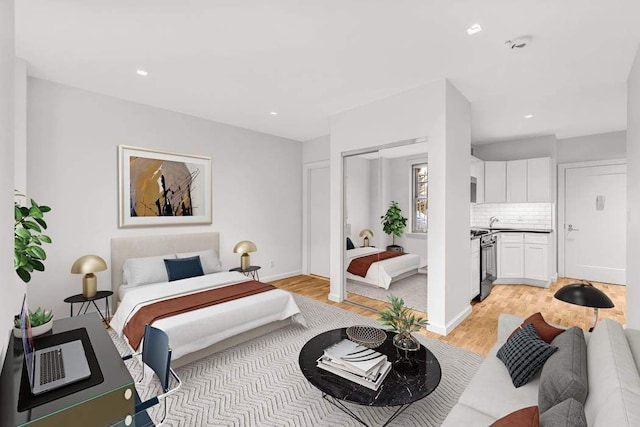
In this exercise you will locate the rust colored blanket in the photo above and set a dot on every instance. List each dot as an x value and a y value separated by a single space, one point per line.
134 329
360 266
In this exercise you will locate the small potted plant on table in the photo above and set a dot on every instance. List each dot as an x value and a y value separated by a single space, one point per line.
41 322
401 320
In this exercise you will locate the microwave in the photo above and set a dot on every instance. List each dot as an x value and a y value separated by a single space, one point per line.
474 185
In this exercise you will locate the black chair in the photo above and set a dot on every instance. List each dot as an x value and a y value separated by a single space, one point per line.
156 354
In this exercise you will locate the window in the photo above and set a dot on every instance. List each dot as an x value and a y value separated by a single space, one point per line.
420 198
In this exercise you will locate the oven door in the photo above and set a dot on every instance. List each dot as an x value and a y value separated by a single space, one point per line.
488 263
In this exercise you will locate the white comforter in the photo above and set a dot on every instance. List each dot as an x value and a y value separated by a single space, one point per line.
381 273
198 329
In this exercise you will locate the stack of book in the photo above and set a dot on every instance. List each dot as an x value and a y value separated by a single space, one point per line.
356 363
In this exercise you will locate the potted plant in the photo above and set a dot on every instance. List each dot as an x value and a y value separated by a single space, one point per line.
394 223
401 320
41 322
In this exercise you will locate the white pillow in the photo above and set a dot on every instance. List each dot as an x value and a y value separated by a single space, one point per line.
209 260
142 271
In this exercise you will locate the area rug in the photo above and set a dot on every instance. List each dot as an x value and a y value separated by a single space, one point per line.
412 289
259 383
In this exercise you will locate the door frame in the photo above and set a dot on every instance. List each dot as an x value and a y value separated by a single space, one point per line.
562 170
306 201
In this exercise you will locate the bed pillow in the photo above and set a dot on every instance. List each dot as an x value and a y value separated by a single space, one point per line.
350 244
524 355
183 268
209 259
143 271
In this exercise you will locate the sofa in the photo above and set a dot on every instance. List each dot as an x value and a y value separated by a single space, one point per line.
612 393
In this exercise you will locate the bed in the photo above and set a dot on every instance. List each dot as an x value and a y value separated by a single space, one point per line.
198 333
383 273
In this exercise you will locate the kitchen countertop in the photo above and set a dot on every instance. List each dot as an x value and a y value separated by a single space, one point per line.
514 230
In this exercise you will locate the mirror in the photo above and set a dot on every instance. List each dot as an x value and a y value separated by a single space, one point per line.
378 263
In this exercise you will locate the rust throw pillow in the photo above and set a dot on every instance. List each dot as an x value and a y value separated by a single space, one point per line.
525 417
546 331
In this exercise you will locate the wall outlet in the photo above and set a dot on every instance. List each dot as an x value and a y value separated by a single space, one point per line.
272 264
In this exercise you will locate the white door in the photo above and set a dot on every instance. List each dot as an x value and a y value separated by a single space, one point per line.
595 223
319 221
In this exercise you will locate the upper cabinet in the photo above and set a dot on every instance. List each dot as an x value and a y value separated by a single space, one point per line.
517 181
477 172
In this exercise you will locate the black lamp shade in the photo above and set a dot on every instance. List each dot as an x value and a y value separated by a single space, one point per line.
585 295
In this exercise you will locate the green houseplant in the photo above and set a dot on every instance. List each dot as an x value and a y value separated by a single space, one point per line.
401 320
28 238
393 222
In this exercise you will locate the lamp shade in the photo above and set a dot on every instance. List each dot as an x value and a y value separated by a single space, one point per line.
88 264
366 233
584 294
244 247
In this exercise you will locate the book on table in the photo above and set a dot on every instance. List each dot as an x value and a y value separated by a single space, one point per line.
372 381
356 363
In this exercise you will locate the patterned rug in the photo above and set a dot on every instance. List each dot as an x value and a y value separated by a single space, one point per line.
259 383
412 289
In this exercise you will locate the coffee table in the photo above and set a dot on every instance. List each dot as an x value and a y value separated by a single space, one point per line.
404 385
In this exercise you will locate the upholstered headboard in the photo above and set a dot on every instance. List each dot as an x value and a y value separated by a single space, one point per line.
123 248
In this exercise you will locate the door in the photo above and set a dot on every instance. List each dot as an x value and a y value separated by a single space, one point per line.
595 223
319 221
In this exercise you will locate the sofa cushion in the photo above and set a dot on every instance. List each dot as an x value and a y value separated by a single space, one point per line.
546 331
564 375
525 417
569 413
633 339
614 382
524 354
462 415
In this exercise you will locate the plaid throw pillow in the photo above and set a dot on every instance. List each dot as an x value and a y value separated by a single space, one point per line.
524 355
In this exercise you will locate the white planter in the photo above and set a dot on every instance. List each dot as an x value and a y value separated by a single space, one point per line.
38 330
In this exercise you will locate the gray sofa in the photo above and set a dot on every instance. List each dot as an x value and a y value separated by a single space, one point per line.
613 358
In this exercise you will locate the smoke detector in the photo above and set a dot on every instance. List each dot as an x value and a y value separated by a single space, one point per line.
518 43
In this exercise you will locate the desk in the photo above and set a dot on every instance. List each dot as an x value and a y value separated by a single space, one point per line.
100 405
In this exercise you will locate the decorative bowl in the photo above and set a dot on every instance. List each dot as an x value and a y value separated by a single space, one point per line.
367 336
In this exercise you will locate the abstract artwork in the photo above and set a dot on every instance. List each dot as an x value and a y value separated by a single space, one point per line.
160 188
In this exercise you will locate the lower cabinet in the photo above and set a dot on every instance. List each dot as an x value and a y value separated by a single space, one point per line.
475 268
524 258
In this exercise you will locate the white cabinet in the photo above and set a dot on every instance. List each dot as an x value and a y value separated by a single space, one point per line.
536 256
511 256
475 268
495 182
517 181
477 172
539 180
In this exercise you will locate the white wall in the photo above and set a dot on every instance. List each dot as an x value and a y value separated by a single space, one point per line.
10 290
526 148
316 149
73 137
604 146
358 196
633 195
412 114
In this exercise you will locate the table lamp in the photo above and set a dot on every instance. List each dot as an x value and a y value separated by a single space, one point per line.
586 295
366 233
244 247
88 265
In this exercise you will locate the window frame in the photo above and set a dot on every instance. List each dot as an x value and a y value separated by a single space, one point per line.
415 197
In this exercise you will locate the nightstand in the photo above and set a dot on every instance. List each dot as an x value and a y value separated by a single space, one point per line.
249 272
86 302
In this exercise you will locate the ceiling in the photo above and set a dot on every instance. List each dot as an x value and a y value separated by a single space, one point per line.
237 61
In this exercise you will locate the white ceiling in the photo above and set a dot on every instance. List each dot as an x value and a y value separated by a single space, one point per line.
235 61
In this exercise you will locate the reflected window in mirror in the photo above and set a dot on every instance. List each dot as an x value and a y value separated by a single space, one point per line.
420 198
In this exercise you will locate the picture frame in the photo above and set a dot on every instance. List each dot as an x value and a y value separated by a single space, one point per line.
160 188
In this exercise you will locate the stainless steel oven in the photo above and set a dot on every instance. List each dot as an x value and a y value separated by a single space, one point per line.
488 263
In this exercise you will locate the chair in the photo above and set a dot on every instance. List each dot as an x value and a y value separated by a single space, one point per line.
156 354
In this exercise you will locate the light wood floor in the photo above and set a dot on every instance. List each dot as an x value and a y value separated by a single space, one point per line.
478 332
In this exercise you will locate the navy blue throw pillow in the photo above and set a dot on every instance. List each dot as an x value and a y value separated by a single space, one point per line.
524 354
183 268
350 244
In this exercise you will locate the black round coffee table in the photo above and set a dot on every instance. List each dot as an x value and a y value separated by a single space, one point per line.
403 386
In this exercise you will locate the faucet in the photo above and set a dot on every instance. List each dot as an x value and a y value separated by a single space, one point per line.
493 220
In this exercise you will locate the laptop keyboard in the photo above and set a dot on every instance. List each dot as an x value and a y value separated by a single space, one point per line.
51 366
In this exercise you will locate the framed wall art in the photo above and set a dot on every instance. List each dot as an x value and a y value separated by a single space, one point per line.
162 188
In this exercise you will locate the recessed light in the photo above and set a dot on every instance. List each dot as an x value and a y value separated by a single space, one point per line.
141 72
274 113
528 116
475 28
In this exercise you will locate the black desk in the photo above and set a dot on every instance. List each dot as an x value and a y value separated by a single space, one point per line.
100 405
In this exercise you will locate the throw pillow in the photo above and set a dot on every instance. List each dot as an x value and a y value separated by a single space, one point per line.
524 355
564 375
546 331
525 417
568 413
183 268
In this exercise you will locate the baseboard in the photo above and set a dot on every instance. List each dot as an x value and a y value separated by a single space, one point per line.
530 282
280 276
451 325
335 298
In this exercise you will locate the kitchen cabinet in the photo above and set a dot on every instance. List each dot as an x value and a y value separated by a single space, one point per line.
475 268
495 182
536 255
539 180
517 181
477 172
511 256
524 258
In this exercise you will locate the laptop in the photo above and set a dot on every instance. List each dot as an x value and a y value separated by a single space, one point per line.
52 367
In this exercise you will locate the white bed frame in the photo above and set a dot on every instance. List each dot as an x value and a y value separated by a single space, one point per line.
123 248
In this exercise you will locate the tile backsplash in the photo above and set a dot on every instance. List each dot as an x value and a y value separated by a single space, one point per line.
515 215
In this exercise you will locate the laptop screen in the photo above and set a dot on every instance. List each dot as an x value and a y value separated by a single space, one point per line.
27 339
